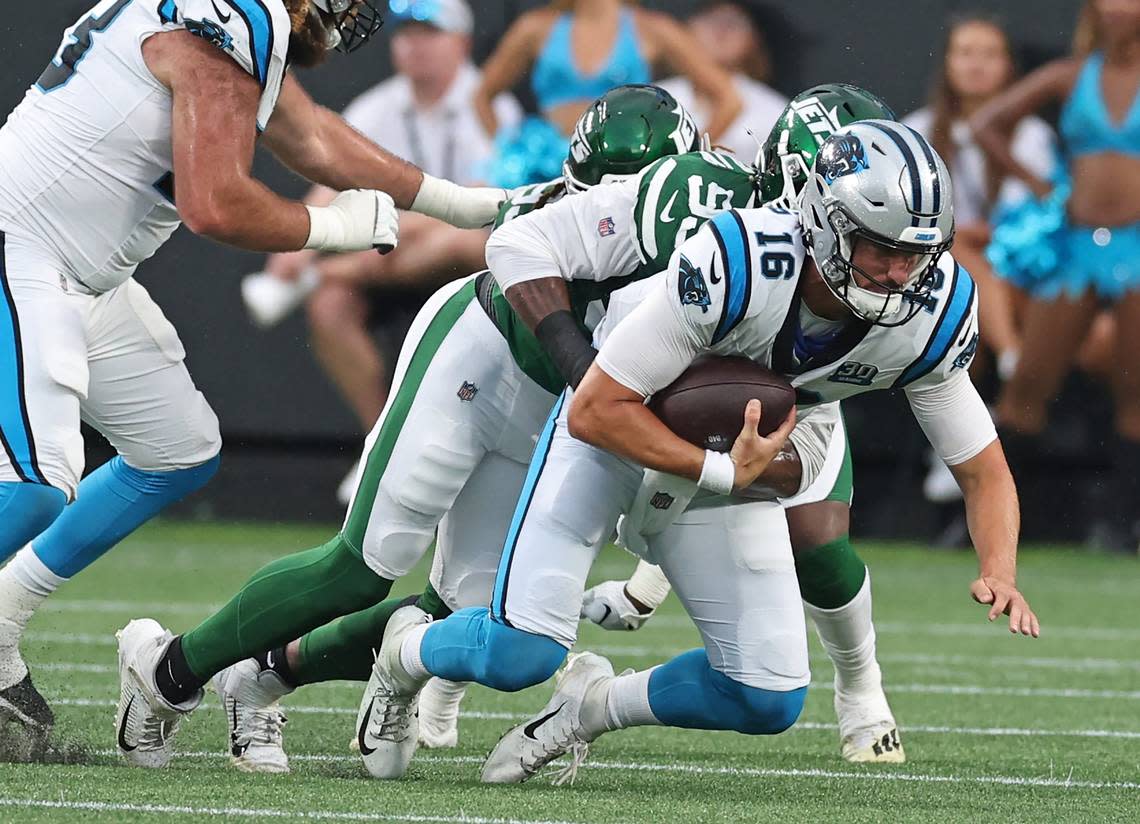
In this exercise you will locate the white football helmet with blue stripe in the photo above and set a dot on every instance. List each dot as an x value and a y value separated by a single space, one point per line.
882 181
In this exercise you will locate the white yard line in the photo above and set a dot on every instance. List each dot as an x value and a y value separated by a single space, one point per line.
245 812
478 715
1124 664
755 772
981 627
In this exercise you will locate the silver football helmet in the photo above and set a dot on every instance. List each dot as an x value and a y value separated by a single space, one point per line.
881 181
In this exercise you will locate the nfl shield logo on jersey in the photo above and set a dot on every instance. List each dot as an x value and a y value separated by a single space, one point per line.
661 500
606 226
467 391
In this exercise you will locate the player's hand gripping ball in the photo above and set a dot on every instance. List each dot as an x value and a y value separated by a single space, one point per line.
705 405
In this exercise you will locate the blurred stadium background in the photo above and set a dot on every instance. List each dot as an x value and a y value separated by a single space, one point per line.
290 439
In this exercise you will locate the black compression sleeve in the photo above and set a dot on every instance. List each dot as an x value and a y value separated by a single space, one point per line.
567 345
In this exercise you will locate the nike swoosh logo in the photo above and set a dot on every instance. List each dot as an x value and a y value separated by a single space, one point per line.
225 18
666 213
712 274
123 745
361 737
962 340
530 729
606 614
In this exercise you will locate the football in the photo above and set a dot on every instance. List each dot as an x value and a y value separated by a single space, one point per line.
705 405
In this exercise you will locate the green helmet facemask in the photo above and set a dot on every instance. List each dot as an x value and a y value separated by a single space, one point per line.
786 157
625 130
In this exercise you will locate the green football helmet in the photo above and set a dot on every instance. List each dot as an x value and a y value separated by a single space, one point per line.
785 159
625 130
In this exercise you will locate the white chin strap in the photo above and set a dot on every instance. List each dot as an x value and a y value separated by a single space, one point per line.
873 306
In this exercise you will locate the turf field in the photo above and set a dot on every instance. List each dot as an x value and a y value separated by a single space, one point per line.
996 728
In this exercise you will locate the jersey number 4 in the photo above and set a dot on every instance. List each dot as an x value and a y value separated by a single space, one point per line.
58 73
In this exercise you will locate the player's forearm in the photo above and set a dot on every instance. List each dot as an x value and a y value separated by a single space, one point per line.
992 512
346 159
246 214
627 428
782 478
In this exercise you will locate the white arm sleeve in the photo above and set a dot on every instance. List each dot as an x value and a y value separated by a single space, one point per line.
581 237
812 439
953 416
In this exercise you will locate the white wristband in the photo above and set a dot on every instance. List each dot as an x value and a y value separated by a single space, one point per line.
466 207
648 585
718 474
321 224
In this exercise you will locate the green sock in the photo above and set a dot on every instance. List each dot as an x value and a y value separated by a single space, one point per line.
830 574
283 600
344 649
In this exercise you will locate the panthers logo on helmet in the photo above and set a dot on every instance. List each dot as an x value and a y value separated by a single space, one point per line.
691 286
844 155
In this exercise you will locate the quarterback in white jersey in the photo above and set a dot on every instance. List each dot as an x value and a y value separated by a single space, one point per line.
852 294
147 116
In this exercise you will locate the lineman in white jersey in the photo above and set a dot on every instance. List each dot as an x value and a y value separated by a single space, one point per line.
147 116
854 293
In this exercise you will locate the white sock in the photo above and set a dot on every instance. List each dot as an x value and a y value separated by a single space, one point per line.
627 703
410 652
30 571
24 583
848 636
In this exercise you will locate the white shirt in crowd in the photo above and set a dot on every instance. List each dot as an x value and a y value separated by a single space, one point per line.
762 106
444 140
1033 145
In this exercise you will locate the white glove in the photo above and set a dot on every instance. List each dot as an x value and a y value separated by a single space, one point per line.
609 607
269 300
356 220
465 207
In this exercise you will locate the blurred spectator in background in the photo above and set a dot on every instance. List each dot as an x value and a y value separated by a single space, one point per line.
1089 225
576 50
424 113
731 34
977 65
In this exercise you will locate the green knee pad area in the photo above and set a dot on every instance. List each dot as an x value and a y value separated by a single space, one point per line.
830 574
281 601
344 649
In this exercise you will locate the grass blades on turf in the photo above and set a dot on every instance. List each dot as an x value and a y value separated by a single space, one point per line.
996 727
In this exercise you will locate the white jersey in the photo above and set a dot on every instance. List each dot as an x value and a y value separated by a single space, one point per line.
733 289
86 159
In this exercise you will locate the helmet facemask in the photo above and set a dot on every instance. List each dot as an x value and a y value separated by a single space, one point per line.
349 23
888 304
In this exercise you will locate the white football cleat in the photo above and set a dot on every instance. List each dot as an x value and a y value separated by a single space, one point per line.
249 697
557 729
439 712
387 729
867 729
145 722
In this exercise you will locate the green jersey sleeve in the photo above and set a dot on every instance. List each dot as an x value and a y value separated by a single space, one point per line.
526 199
676 195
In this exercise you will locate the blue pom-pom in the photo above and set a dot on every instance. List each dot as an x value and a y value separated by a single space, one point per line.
531 152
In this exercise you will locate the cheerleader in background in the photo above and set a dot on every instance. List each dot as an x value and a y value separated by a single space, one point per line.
576 50
1088 254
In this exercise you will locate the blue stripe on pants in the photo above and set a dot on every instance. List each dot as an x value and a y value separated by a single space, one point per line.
15 427
537 462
